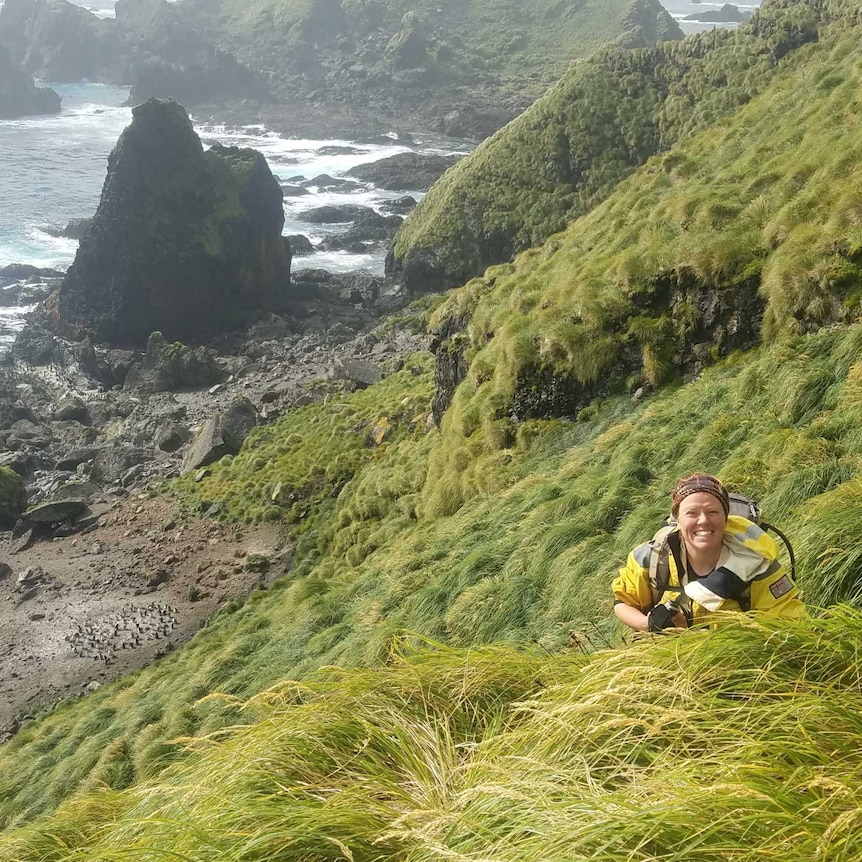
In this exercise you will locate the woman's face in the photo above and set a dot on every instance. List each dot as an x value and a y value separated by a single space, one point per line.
701 521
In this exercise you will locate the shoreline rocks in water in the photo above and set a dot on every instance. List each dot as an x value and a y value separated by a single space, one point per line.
183 241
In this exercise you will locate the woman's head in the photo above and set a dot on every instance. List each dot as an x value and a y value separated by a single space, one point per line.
698 483
701 505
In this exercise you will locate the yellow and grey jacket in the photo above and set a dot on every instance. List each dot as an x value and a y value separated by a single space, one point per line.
748 576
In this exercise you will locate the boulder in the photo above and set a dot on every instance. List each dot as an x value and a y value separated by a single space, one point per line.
207 447
26 433
361 374
300 244
237 422
183 242
13 497
335 214
55 511
72 409
111 463
74 457
291 191
171 436
221 435
171 366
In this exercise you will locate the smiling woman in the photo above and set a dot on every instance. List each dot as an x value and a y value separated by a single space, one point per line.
715 562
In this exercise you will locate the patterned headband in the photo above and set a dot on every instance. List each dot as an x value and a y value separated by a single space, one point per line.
696 483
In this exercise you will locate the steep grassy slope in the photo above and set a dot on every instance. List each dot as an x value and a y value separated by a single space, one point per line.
759 217
493 754
530 558
608 115
514 535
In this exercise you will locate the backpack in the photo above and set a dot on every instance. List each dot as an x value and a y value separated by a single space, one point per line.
666 542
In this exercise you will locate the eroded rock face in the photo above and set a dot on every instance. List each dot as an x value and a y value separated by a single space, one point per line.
19 96
183 242
58 41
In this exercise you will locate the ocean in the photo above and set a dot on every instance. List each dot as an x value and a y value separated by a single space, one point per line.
52 170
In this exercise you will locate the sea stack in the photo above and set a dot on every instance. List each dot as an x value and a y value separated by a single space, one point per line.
184 241
19 96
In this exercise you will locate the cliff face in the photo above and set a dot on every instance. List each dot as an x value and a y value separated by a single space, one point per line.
567 152
150 45
58 41
19 96
183 241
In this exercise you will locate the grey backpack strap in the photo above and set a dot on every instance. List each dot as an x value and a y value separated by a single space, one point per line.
659 562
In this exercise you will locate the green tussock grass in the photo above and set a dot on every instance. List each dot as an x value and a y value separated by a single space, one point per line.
496 754
606 116
527 559
763 221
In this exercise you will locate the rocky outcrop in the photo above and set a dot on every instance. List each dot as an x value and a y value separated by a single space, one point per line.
59 41
404 171
19 96
183 242
167 56
728 14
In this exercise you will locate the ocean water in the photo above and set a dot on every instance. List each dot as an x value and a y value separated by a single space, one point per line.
681 8
52 170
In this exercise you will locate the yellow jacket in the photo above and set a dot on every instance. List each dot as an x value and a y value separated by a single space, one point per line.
748 576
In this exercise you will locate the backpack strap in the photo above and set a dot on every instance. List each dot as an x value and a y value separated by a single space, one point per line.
664 543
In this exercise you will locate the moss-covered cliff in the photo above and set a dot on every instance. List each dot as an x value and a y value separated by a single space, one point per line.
605 117
184 242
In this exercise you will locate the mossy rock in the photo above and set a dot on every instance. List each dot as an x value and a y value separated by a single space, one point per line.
13 496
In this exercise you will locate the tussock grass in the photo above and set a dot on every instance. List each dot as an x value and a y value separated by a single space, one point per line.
528 562
736 744
623 290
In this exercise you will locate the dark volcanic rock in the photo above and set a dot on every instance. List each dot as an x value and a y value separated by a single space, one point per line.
300 244
335 214
58 41
169 366
405 171
54 511
19 96
221 435
728 14
183 242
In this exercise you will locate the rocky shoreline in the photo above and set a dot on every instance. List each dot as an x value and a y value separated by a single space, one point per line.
106 576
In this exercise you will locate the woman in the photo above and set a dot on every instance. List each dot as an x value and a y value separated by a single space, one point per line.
727 563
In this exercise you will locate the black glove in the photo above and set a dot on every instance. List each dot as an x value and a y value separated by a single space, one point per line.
662 617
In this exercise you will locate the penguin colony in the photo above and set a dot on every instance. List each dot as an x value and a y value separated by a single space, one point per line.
133 627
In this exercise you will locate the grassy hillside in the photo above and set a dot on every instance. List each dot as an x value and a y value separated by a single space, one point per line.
749 229
605 117
526 560
739 744
506 526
